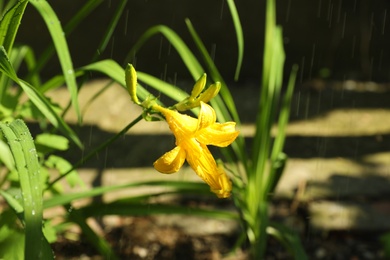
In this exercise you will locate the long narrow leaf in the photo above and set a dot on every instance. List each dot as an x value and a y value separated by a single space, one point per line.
139 209
67 198
110 28
185 53
27 165
59 40
239 36
114 71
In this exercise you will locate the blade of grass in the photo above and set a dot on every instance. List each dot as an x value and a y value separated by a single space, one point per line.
59 40
27 165
239 36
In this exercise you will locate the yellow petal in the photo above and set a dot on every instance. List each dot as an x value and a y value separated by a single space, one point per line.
225 184
205 167
206 116
181 125
218 134
171 161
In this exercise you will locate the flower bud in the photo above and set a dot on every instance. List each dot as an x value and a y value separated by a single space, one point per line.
131 82
199 86
210 93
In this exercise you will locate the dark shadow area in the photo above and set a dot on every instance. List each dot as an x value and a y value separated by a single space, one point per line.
351 147
358 188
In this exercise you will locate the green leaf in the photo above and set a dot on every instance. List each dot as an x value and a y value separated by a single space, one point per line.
26 159
116 73
185 53
135 209
239 36
6 156
166 88
10 23
37 98
52 141
12 246
63 166
59 40
76 19
63 199
13 201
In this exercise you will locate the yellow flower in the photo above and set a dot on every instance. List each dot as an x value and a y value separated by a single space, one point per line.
192 137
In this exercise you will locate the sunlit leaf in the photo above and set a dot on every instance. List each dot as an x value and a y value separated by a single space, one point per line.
59 40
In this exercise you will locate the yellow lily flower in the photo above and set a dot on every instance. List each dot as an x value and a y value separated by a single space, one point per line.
192 137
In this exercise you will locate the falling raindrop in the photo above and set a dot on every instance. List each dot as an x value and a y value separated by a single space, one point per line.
343 28
354 6
319 8
312 60
302 69
307 107
222 7
126 21
160 48
288 10
112 47
213 51
339 11
384 21
353 46
298 102
330 13
380 60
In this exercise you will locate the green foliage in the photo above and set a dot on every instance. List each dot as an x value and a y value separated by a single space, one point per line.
33 168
